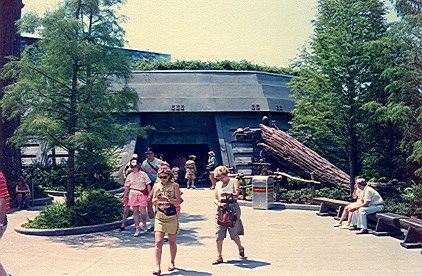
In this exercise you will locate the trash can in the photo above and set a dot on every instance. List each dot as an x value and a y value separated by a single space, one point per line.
262 192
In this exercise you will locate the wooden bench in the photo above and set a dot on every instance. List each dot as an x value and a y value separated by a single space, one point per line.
388 224
330 206
413 238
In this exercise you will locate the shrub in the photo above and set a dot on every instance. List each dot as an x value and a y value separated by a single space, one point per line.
332 192
96 207
92 207
55 216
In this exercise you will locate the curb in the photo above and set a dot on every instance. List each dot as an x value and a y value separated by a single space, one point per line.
42 201
284 206
72 231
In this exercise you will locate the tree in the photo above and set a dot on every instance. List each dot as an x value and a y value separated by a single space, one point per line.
10 12
72 84
335 78
406 71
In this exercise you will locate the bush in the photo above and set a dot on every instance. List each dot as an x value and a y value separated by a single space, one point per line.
46 176
92 207
55 216
96 207
334 193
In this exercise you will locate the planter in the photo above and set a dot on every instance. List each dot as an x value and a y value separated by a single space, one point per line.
72 231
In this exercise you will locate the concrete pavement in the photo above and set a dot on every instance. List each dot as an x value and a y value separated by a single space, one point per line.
277 242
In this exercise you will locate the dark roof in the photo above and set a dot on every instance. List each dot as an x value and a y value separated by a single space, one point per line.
212 91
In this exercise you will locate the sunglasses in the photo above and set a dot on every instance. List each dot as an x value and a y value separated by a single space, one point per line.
163 177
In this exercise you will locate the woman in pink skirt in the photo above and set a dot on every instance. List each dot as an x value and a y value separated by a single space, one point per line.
137 189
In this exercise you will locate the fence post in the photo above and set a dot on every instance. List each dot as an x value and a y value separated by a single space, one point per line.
312 186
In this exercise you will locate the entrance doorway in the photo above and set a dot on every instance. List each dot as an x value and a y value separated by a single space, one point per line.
173 151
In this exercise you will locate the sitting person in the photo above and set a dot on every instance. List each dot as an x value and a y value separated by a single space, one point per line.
22 192
372 203
358 195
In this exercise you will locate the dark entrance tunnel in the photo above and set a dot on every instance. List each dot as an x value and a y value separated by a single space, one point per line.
173 151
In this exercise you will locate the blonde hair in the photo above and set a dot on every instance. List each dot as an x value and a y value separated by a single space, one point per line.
220 171
165 170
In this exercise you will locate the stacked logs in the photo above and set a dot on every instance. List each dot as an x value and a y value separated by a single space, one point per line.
303 161
300 159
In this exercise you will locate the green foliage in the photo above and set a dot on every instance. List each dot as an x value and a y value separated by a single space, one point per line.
242 65
354 99
333 193
92 207
96 207
55 216
47 176
72 83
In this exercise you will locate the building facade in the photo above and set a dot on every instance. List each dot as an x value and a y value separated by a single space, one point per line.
193 112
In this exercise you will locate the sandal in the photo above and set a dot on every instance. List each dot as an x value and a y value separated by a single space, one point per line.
218 261
158 272
242 253
171 267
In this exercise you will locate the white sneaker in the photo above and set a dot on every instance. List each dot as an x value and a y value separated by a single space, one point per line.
337 224
137 233
144 228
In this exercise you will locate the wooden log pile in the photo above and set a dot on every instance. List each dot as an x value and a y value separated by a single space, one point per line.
301 160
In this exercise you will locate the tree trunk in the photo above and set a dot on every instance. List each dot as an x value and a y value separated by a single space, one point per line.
70 189
10 12
353 157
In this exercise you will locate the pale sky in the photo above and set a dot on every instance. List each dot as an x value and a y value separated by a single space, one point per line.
266 32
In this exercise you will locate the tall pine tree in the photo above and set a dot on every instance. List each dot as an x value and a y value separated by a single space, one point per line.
336 77
66 91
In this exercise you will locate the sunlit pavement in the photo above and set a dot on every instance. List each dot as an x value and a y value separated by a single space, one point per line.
287 242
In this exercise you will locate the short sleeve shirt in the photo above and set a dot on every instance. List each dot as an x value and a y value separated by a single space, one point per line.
152 172
4 193
138 180
369 194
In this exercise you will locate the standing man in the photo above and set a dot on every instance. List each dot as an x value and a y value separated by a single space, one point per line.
4 209
150 166
372 203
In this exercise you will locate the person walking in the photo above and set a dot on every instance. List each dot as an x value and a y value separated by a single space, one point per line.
166 195
126 171
4 210
190 176
227 186
212 164
136 192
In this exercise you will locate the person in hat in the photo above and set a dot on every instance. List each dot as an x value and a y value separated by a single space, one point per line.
136 193
151 164
372 203
190 175
126 171
212 164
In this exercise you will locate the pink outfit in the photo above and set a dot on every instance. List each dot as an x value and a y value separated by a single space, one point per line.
137 181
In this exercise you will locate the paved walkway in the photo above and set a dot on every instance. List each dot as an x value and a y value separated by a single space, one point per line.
287 242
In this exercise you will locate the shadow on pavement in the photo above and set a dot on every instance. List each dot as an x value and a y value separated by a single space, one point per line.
247 263
181 271
125 239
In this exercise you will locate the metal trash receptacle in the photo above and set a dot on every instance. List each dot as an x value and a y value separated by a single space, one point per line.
262 192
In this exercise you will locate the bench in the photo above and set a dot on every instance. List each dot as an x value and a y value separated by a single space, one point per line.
330 206
413 238
388 224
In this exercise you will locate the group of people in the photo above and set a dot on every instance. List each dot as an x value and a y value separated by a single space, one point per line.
368 201
151 190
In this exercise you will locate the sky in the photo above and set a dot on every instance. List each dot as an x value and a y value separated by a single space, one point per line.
266 32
